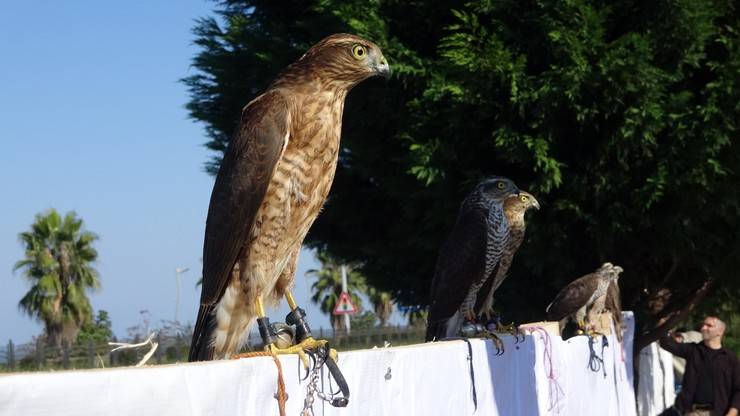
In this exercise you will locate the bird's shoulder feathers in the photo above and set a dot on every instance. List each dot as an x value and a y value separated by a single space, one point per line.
572 297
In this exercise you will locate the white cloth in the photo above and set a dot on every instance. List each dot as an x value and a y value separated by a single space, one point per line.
656 388
428 379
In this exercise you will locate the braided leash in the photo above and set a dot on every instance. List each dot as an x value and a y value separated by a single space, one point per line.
281 395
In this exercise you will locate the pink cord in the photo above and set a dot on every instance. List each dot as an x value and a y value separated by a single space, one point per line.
554 389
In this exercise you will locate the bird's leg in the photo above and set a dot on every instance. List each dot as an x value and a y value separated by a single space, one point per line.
469 315
269 337
487 308
304 339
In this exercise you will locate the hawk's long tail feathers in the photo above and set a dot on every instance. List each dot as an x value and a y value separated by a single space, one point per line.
201 347
444 328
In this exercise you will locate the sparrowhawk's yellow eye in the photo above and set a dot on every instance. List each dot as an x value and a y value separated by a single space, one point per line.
524 198
501 185
359 51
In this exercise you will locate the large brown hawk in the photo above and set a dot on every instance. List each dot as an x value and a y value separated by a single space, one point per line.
274 178
468 257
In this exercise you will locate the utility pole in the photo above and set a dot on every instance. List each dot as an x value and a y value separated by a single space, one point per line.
344 290
178 272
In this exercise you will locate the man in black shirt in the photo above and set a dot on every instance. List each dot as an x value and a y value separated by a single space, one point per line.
711 383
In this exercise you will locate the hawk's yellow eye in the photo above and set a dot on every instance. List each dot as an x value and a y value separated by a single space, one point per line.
359 51
501 185
524 198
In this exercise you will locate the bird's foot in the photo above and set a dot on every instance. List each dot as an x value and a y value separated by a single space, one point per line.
582 327
308 344
497 342
511 329
493 324
591 333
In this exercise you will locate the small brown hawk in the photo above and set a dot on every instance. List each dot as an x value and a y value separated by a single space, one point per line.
582 299
273 180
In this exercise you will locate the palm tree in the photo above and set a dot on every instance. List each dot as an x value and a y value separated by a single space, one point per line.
57 264
417 316
382 304
328 286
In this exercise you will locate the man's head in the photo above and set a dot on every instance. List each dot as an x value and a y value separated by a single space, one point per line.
712 328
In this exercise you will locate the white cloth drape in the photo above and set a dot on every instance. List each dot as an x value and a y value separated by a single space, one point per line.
541 376
655 389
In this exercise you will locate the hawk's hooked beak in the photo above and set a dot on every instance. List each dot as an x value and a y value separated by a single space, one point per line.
535 203
382 68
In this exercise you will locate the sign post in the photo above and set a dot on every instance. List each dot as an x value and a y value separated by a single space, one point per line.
344 304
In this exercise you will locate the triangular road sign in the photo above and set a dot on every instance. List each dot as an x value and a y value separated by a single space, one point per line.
345 305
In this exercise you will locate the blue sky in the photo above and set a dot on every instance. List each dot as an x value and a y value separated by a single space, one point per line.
92 119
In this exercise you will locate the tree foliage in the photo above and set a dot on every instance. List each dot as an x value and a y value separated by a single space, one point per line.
621 117
328 287
98 331
382 304
363 321
58 266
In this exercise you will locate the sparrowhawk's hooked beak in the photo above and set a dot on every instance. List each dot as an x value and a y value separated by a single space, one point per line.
382 68
535 203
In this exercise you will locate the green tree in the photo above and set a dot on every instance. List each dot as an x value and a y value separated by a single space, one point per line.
416 316
620 117
382 304
58 266
363 321
328 286
97 331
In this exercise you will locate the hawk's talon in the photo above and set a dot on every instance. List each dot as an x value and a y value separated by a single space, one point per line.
594 334
517 333
512 329
302 348
497 342
582 324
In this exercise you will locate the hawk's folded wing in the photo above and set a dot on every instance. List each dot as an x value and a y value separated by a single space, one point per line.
240 187
461 263
572 297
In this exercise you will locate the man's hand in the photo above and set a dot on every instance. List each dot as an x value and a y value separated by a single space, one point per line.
732 412
663 320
